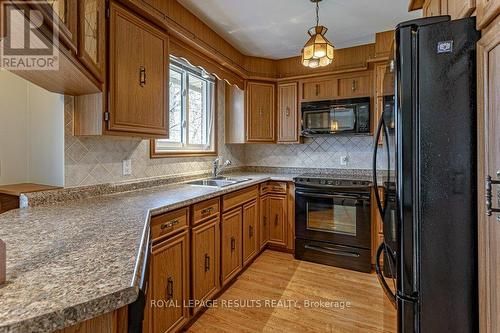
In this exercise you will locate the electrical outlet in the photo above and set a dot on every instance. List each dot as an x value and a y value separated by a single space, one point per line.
344 160
127 167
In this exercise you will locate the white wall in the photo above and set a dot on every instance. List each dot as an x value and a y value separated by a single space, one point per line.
31 133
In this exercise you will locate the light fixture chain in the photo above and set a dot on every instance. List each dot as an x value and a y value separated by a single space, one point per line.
317 13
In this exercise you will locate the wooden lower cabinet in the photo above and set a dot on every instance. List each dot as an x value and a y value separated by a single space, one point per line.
231 245
169 284
278 218
250 231
205 269
264 221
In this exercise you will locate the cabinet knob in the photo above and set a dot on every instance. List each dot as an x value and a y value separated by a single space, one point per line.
169 224
170 288
207 262
233 244
142 76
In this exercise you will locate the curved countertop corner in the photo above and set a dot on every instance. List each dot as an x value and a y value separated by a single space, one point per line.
71 261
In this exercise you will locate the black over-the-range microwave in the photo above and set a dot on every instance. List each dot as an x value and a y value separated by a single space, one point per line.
348 116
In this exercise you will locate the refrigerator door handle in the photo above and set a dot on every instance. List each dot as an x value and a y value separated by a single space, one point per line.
390 295
381 125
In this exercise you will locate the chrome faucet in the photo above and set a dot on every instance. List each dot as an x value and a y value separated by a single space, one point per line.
217 168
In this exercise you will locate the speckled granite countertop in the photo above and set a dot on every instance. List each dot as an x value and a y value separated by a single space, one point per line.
73 260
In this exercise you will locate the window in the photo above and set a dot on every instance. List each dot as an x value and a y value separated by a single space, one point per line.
191 113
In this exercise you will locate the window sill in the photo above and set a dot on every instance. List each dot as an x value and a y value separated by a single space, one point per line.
187 153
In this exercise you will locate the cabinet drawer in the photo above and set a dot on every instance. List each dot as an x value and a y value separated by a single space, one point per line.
168 223
277 187
205 210
237 198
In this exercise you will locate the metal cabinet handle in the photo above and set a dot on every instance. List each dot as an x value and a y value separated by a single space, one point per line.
142 76
170 288
207 262
265 220
207 210
317 89
233 244
169 224
260 112
353 85
489 196
276 219
288 111
250 231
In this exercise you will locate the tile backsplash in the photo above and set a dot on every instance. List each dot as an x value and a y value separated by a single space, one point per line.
97 160
321 152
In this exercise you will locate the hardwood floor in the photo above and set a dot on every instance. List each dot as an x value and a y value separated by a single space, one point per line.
276 276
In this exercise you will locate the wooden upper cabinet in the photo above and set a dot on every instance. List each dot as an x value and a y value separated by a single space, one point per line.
91 36
354 86
278 218
231 245
319 89
138 80
205 260
260 112
169 282
288 113
432 8
250 231
66 12
487 10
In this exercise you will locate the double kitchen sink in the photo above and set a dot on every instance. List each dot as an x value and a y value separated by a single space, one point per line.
218 181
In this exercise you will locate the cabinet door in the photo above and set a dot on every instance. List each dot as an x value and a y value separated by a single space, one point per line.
67 15
277 215
138 75
488 78
487 10
205 261
91 36
288 127
318 90
264 221
250 231
432 8
354 86
231 246
169 284
260 112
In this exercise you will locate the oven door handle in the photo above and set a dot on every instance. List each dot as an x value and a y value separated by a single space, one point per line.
330 250
330 196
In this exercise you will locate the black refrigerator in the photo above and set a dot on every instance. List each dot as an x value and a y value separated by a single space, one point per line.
429 210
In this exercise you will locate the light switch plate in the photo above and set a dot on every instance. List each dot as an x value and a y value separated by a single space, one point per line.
127 167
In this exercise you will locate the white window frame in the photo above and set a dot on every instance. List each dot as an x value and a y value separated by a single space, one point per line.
168 148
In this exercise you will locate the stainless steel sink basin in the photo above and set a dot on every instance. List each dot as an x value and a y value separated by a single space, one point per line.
218 182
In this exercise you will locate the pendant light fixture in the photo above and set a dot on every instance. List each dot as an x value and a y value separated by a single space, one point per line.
318 51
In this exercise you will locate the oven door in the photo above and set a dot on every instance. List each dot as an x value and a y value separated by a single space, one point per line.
340 218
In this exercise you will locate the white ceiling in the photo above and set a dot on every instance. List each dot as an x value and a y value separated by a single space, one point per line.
278 28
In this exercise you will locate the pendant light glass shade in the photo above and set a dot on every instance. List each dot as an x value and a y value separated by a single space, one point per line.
318 51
